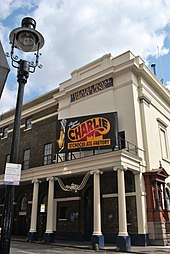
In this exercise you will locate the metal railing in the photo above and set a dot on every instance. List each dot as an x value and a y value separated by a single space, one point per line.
121 144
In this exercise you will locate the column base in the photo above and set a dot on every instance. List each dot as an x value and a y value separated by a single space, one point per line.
97 241
32 236
48 238
123 243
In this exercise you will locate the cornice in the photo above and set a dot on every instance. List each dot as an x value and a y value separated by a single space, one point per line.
98 162
30 111
157 86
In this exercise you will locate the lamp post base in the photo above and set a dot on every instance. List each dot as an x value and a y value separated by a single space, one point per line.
123 243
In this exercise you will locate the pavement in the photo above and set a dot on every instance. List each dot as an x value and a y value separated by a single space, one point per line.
107 248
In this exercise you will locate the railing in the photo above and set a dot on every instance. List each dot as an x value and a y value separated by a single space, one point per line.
121 145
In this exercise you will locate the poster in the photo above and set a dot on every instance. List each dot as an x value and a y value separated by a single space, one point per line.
88 132
12 174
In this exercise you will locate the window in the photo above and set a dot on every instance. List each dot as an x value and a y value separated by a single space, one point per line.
24 204
47 154
63 213
164 147
26 160
28 123
121 140
129 181
131 214
5 132
163 139
114 182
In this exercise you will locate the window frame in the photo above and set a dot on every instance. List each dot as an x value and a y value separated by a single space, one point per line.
28 123
24 204
48 152
163 138
26 159
5 131
63 213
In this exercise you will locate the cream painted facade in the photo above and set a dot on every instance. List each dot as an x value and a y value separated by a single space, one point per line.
143 107
142 102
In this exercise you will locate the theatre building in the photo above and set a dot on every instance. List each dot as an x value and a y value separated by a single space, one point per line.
95 158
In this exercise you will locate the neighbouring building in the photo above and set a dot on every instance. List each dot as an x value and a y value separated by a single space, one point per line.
95 157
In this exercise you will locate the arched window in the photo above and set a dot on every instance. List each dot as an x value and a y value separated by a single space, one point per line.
24 204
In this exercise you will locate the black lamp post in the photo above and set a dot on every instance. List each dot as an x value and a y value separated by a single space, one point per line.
27 39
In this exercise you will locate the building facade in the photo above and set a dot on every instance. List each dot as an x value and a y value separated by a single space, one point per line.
95 157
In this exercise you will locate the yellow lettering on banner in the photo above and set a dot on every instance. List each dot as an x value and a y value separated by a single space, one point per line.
93 127
85 144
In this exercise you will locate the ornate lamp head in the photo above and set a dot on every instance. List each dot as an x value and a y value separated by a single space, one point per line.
26 37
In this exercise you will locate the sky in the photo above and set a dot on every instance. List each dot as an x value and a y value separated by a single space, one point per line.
77 32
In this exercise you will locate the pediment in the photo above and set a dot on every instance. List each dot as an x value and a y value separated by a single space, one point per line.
158 174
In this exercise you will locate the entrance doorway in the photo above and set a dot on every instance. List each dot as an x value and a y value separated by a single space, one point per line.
41 225
88 197
22 226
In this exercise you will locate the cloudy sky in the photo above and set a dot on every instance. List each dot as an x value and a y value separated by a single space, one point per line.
79 31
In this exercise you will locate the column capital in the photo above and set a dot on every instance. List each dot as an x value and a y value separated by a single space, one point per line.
52 178
136 173
36 181
96 171
119 167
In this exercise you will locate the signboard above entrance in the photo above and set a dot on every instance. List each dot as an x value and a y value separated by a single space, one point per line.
88 132
102 85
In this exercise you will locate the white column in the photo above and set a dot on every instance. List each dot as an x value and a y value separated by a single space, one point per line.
121 202
50 209
33 227
141 204
96 203
55 215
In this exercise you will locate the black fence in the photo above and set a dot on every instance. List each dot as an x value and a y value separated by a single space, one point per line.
121 145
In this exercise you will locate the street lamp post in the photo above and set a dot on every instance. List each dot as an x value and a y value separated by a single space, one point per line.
27 39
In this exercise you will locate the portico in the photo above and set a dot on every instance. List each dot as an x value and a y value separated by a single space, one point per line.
94 178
